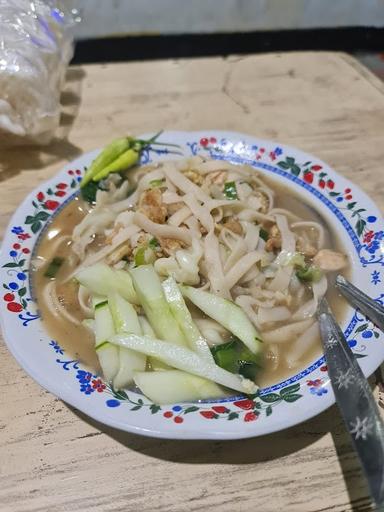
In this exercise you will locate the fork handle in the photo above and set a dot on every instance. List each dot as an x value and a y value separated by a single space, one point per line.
372 309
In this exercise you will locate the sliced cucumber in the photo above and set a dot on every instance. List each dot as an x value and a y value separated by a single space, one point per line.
183 317
183 358
101 279
107 353
173 386
226 313
156 364
125 320
148 287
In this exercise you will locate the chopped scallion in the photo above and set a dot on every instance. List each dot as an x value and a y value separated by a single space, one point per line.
264 234
154 243
156 183
230 191
310 274
54 267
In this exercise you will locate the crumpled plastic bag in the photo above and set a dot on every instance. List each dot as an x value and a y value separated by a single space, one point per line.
36 45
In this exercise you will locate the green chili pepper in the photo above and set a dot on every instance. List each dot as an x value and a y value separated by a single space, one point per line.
109 154
119 155
124 161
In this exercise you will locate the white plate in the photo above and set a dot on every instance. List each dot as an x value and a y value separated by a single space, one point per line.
352 214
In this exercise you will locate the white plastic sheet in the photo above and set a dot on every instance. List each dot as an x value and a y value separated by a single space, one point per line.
36 45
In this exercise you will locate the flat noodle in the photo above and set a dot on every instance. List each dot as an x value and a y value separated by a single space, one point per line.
302 345
286 333
240 268
214 265
180 216
218 228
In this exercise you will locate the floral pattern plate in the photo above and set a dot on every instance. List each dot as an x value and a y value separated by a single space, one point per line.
353 216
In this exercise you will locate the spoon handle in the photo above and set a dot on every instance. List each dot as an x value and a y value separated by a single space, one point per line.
372 309
355 400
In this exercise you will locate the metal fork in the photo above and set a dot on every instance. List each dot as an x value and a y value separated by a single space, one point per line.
372 309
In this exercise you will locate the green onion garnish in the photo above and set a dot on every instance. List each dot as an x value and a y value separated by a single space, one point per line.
54 267
230 191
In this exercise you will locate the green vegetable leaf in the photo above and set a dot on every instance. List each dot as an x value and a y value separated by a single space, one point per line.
153 243
310 274
291 398
230 190
270 398
248 369
264 234
54 267
156 183
290 389
89 191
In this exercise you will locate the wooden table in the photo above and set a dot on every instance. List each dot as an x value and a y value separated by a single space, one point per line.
52 458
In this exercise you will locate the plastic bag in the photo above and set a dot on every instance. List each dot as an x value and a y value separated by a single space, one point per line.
36 45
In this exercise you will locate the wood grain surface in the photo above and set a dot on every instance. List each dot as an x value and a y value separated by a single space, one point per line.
52 458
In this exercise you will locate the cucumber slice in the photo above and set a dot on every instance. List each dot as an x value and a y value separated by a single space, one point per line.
100 279
156 364
184 319
125 320
174 386
148 287
183 358
107 353
226 313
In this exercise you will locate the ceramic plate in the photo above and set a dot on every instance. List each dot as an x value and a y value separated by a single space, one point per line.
354 218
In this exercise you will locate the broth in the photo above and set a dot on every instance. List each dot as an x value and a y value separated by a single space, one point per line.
79 341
